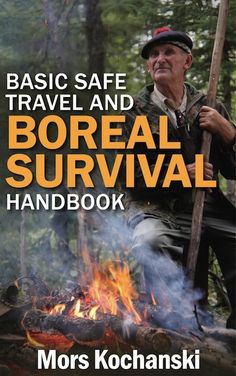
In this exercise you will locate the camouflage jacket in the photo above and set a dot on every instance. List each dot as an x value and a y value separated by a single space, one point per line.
145 202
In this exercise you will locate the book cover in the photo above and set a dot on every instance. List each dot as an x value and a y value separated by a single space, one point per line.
80 172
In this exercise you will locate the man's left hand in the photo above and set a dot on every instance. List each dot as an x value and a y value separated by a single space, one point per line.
212 121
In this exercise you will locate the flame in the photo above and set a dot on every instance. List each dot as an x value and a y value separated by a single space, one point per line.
59 308
153 299
76 309
111 285
33 341
111 291
92 313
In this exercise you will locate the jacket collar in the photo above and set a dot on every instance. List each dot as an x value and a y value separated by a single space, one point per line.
144 102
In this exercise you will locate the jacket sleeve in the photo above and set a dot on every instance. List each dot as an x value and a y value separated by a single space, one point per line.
227 157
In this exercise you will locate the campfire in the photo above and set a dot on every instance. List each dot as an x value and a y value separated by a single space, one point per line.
110 294
105 311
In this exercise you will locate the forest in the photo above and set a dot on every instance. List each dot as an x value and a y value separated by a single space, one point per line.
88 37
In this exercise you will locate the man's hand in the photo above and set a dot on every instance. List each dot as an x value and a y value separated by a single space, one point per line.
208 171
212 121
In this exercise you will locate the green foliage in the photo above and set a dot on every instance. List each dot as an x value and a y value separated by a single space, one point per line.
217 295
130 23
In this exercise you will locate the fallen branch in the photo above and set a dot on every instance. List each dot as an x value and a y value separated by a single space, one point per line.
76 329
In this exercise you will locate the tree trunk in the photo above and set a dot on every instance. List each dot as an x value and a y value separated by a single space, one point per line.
83 256
95 33
22 244
57 15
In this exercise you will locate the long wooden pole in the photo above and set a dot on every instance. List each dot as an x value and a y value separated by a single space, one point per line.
207 137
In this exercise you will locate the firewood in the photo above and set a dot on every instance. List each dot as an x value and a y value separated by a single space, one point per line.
226 336
125 331
152 339
49 302
68 298
77 329
92 332
159 340
10 321
146 339
10 294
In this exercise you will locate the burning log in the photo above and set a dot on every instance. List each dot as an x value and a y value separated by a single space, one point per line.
49 302
56 325
157 338
77 329
34 291
160 340
92 332
144 338
68 298
95 333
151 339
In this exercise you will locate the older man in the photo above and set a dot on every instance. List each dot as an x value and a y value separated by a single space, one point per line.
161 218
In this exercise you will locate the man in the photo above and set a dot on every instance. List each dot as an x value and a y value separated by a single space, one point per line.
161 218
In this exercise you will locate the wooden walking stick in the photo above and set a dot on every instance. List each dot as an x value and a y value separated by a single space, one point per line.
207 137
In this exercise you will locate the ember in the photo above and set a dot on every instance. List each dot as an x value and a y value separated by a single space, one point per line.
52 341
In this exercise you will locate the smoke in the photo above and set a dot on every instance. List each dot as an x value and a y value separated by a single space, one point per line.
50 238
176 299
154 273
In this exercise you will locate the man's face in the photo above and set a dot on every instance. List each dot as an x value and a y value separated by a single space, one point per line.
168 63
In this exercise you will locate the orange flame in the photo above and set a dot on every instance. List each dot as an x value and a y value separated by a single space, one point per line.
33 341
111 291
76 310
92 312
59 308
111 285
